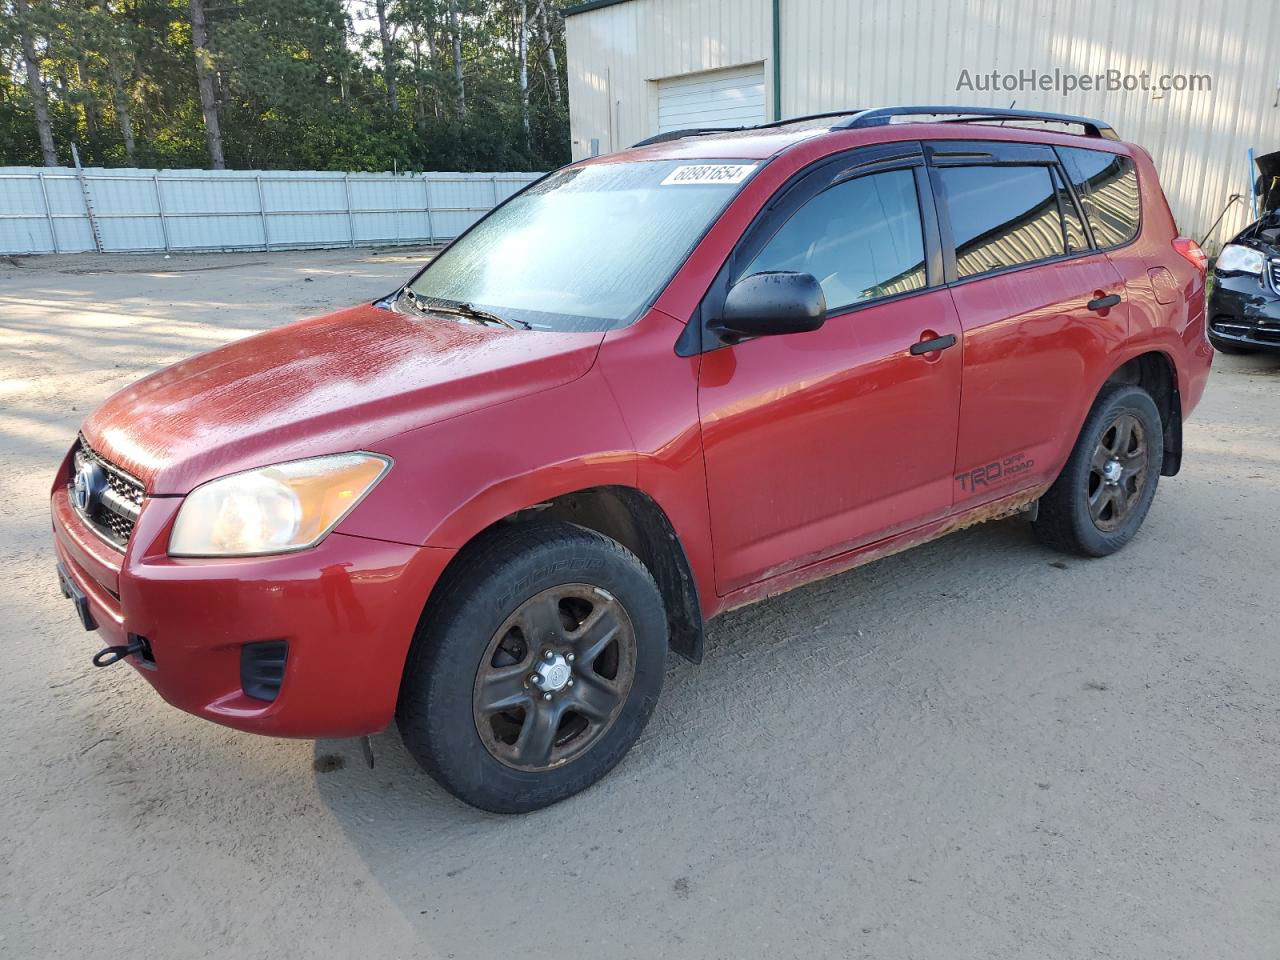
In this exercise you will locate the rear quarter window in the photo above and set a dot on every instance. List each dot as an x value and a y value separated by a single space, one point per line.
1107 185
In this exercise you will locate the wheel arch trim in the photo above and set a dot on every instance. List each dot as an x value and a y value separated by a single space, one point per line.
619 510
1155 370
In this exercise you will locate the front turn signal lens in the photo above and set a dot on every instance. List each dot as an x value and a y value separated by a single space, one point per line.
277 509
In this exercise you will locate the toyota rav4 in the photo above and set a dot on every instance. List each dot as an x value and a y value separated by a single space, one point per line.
649 388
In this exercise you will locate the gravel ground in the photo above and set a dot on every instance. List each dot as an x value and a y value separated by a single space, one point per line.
975 749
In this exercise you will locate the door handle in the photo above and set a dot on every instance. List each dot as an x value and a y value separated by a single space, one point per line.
1104 303
932 346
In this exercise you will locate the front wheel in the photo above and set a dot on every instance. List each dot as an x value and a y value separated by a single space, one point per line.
1104 492
536 668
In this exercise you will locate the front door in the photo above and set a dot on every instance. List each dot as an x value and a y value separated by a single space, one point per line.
819 442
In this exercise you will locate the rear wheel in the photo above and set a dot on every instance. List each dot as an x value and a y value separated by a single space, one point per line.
1104 492
536 669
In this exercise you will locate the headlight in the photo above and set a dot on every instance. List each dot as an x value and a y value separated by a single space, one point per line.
277 509
1237 259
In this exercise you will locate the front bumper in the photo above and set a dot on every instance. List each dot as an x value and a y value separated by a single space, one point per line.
347 609
1244 310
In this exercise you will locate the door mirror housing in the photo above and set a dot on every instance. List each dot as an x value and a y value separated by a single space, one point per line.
773 303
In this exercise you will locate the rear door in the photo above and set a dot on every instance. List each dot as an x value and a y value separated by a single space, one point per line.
1161 285
819 442
1040 309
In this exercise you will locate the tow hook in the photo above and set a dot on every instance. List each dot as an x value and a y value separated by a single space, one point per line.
109 655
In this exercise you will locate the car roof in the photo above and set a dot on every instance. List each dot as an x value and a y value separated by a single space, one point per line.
892 123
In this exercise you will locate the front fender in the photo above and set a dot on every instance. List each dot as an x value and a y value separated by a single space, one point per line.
454 478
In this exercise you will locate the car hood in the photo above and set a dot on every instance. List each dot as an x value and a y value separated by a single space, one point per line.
1268 185
1264 233
329 384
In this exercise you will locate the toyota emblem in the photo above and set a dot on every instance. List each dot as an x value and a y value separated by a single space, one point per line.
87 488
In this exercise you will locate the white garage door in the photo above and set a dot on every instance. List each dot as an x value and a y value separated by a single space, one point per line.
719 98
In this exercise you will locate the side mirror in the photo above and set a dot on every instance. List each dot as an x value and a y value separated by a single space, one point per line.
774 303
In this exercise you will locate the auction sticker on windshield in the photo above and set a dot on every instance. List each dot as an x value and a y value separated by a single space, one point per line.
709 173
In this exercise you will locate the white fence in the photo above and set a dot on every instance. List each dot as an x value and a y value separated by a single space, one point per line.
64 210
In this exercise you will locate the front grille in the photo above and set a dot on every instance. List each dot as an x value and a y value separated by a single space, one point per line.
1273 272
115 508
1261 332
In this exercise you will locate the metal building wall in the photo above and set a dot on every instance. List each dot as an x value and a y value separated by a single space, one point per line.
62 210
849 53
617 52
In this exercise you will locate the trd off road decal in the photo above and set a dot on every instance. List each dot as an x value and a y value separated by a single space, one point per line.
994 473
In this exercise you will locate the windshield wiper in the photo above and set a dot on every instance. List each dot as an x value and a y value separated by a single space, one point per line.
459 309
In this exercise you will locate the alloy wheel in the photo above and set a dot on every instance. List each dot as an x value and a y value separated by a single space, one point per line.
1117 472
554 677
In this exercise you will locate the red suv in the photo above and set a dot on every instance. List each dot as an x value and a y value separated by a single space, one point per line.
651 387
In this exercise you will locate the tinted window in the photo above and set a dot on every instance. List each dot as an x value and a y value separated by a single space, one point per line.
1071 222
1108 187
1001 216
861 239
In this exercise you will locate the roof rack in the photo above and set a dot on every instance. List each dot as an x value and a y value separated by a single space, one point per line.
699 131
881 116
807 116
884 115
681 134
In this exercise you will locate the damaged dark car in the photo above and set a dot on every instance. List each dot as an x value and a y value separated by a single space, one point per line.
1244 307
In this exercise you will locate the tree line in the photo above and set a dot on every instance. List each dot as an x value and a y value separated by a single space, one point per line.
285 84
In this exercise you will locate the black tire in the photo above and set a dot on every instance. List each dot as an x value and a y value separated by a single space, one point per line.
1066 519
498 579
1229 348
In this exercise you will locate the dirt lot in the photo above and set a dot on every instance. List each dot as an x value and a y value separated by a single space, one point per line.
977 749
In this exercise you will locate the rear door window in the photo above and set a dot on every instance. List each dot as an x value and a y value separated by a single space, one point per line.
1107 185
861 239
1001 216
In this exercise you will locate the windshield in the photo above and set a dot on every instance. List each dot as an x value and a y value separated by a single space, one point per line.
585 249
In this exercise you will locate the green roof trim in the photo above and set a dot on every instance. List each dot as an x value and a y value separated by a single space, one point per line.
590 5
777 60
